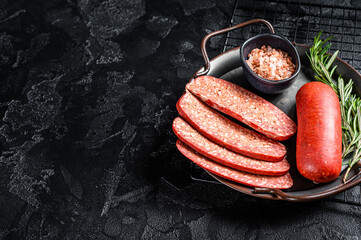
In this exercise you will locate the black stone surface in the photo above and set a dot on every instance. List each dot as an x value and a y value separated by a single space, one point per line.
87 96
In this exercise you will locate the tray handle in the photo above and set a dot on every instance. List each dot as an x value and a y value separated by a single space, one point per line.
212 34
280 194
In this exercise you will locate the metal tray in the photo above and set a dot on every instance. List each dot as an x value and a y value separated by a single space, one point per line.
227 66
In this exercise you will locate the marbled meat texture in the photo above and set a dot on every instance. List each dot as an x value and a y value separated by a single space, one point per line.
188 135
253 180
223 131
244 106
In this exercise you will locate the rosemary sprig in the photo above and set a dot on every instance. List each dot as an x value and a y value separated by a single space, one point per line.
350 104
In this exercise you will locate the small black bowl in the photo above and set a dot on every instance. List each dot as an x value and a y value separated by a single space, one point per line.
275 41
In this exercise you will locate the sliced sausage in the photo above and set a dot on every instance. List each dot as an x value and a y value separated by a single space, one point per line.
215 152
319 137
244 106
224 132
254 180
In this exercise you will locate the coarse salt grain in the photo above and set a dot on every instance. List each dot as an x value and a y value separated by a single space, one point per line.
270 63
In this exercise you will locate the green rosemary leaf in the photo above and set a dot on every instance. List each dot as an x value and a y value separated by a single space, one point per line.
332 59
325 49
333 70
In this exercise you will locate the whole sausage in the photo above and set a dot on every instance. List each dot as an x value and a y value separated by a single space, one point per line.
319 137
244 106
254 180
226 133
213 151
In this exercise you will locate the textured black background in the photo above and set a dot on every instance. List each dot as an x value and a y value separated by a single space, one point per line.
87 96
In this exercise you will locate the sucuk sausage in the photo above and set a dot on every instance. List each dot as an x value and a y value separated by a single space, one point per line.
191 137
244 106
253 180
224 132
319 137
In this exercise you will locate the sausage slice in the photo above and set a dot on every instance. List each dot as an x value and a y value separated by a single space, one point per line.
279 182
215 152
244 106
224 132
